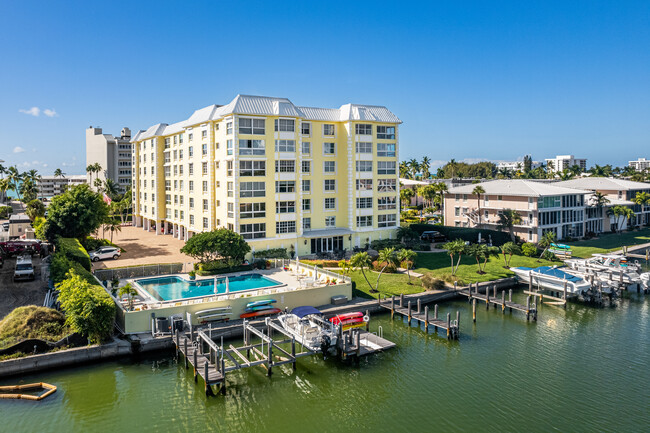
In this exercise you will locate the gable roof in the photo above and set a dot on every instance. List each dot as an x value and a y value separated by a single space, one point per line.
517 187
603 183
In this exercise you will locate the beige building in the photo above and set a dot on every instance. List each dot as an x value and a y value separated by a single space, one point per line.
307 179
542 206
50 186
112 153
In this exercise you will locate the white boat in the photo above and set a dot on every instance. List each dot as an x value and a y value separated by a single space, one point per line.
553 278
615 263
309 328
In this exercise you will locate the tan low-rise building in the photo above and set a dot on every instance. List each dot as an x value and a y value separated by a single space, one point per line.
542 206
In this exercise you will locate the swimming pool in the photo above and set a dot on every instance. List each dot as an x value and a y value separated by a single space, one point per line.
174 287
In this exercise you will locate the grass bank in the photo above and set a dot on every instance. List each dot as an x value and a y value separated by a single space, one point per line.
606 243
32 322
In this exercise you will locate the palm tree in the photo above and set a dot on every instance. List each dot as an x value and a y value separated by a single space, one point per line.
404 170
414 167
622 212
642 199
478 190
425 165
128 290
598 199
455 247
59 173
576 170
507 220
405 196
440 188
112 226
452 165
407 257
110 187
428 193
504 173
387 256
362 261
15 178
545 241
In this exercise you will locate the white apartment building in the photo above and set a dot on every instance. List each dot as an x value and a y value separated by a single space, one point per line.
517 165
50 186
312 180
640 164
560 162
112 153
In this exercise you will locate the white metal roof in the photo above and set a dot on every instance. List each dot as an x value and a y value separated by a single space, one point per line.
517 187
270 106
603 183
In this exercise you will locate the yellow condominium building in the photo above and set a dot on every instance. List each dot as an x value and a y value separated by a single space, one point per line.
307 179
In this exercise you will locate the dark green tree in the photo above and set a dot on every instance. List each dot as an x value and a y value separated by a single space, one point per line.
75 214
219 244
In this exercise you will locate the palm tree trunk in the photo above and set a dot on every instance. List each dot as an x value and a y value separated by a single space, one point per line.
379 276
366 278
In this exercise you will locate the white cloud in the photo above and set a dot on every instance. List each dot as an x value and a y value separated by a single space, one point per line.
67 164
18 149
50 113
34 111
32 164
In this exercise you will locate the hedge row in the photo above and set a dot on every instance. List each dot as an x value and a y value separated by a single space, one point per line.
464 233
272 253
216 268
73 250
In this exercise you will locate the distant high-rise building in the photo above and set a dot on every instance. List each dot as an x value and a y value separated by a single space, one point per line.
640 164
50 186
560 162
112 153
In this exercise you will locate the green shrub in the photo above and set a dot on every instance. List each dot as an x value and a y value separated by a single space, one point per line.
219 267
380 244
321 263
90 243
272 253
529 249
432 283
89 309
73 250
5 211
32 322
465 233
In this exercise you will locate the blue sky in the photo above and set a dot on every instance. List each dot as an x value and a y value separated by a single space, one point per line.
471 80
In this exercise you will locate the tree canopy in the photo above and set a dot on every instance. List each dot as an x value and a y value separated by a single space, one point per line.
75 214
219 244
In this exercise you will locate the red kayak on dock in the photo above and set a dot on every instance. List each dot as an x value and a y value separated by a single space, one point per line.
260 313
343 318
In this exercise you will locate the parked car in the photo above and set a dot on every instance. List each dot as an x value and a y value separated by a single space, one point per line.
24 268
433 236
103 253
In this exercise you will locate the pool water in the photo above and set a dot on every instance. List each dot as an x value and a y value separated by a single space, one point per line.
172 288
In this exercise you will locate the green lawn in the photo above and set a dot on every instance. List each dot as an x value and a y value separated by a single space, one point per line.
439 265
389 284
609 242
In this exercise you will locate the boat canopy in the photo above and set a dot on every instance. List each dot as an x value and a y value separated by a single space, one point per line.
305 311
553 272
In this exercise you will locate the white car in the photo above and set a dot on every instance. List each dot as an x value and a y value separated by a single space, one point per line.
102 253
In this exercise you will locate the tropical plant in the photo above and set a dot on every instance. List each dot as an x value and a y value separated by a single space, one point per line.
89 310
507 220
598 199
14 179
407 258
545 241
112 225
345 267
128 290
529 249
387 257
620 214
425 165
508 250
59 173
76 213
478 190
362 261
35 209
219 244
110 188
414 167
405 196
641 198
406 234
454 248
428 194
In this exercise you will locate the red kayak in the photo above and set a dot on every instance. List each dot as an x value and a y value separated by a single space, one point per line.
260 313
343 318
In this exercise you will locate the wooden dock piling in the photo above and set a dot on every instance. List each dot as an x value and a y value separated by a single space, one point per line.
474 310
503 302
426 318
448 326
409 312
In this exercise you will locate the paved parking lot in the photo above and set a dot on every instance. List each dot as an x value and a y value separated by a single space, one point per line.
20 293
144 248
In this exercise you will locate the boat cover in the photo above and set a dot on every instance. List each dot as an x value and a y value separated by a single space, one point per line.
553 272
305 311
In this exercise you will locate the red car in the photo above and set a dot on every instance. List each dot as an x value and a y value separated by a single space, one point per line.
19 246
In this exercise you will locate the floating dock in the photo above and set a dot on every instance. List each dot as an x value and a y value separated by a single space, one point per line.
451 327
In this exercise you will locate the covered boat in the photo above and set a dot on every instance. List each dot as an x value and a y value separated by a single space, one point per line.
552 278
309 328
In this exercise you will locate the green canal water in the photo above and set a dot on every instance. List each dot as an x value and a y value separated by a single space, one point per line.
583 369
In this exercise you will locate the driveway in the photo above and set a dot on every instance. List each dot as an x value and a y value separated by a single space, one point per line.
144 248
20 293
